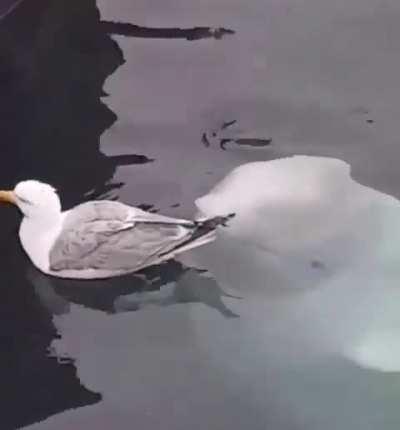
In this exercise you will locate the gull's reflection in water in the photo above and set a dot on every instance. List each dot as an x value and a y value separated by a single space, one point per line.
165 285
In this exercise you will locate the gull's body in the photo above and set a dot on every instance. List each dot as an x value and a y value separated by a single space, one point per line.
99 239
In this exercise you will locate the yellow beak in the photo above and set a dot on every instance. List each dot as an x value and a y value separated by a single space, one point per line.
8 197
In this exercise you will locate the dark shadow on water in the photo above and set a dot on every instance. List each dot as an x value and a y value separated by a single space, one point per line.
168 284
192 287
33 384
54 59
55 56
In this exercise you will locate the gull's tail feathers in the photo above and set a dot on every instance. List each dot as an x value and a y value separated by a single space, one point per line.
201 233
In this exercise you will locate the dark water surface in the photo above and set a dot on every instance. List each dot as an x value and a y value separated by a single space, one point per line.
153 102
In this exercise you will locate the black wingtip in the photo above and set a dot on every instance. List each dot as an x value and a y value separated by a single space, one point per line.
226 218
202 228
213 223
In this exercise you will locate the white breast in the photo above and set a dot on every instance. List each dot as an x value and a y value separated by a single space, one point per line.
37 238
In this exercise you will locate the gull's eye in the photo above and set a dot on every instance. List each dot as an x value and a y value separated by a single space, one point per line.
24 200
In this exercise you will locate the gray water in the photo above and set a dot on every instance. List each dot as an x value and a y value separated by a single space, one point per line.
310 75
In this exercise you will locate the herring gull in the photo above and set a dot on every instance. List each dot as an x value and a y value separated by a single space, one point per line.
102 238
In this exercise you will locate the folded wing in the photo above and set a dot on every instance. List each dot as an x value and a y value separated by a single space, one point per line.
112 236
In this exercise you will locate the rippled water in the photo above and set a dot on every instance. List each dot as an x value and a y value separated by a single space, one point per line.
287 321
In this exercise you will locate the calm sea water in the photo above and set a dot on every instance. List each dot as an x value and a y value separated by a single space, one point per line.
137 112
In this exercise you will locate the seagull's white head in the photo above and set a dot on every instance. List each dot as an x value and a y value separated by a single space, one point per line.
34 199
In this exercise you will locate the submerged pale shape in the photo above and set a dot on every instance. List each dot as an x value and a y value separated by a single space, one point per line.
318 251
307 304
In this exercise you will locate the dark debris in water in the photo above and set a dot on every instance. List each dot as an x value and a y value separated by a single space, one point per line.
317 264
129 159
105 192
196 33
255 143
228 124
148 207
240 141
204 140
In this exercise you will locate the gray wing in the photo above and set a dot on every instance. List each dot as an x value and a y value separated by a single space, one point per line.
112 236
